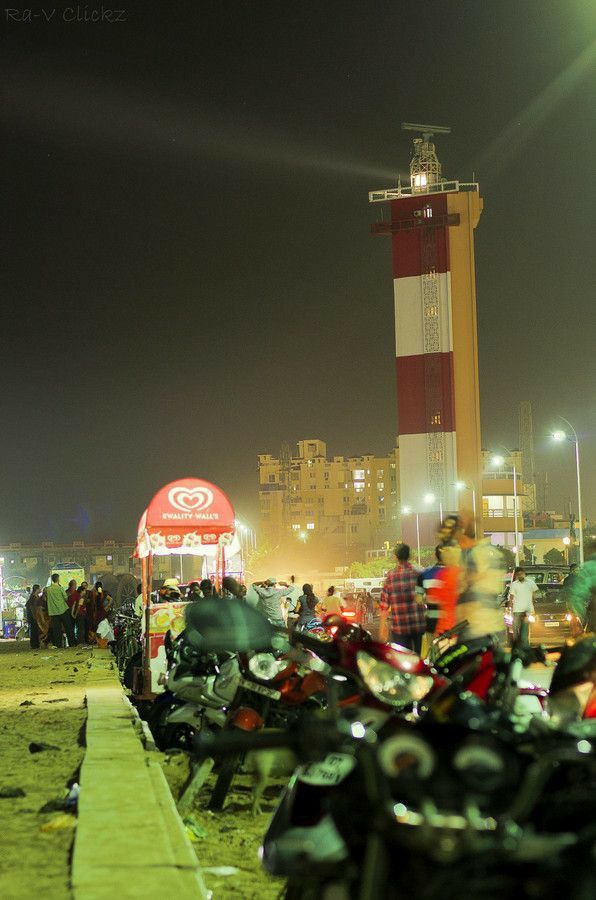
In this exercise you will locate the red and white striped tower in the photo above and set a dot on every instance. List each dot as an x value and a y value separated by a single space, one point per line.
435 335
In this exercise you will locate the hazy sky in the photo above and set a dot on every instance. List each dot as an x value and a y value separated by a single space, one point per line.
188 274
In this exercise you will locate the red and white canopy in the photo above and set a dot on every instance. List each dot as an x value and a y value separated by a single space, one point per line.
188 516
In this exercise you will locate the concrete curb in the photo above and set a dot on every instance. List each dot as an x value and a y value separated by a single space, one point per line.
130 841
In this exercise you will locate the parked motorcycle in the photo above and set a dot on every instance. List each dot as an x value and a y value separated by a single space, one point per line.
430 809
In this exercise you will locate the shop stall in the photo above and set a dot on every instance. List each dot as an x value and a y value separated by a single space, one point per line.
189 517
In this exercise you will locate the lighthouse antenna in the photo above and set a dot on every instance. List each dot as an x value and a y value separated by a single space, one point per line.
427 130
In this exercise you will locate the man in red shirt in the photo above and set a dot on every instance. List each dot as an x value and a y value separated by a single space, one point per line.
408 612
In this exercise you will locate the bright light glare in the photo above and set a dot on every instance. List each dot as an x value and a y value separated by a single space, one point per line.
566 541
358 730
498 460
460 485
406 510
429 498
559 435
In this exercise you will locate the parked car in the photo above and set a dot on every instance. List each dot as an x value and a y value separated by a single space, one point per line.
553 621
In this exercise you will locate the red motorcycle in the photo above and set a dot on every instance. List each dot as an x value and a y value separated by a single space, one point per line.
273 692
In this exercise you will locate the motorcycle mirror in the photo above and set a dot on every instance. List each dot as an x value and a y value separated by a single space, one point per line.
226 625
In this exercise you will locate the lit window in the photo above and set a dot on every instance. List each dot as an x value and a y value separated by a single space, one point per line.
358 474
295 527
428 210
436 419
358 486
380 485
420 180
310 526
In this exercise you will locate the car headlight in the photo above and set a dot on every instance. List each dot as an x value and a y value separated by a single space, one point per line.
265 666
389 684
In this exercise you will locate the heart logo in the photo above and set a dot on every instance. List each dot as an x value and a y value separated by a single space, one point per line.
190 499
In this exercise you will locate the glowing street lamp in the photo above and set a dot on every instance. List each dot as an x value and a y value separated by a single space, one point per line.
561 436
429 499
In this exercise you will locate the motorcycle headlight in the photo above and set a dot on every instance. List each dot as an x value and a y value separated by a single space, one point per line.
389 684
265 666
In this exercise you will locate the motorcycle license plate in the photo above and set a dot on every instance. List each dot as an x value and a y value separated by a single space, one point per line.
260 689
329 772
551 624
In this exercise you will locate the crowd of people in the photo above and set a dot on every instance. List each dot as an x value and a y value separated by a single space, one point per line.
81 614
465 585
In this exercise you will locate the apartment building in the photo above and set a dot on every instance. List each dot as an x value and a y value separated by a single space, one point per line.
349 503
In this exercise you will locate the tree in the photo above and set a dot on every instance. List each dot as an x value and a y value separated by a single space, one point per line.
508 557
258 558
554 557
376 568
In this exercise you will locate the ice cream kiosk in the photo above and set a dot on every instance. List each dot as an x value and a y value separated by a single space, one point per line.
186 517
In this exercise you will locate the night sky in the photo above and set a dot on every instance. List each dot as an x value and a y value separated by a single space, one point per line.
188 276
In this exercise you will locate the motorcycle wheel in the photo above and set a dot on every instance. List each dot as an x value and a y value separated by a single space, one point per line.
127 675
227 771
178 736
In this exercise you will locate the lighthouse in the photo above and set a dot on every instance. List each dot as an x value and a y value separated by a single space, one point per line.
431 223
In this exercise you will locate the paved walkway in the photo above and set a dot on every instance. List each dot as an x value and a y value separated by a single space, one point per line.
130 841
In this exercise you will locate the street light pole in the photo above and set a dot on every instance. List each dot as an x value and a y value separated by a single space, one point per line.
406 510
516 550
515 514
418 537
579 490
460 486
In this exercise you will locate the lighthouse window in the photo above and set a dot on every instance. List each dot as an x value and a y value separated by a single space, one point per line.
428 212
436 419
